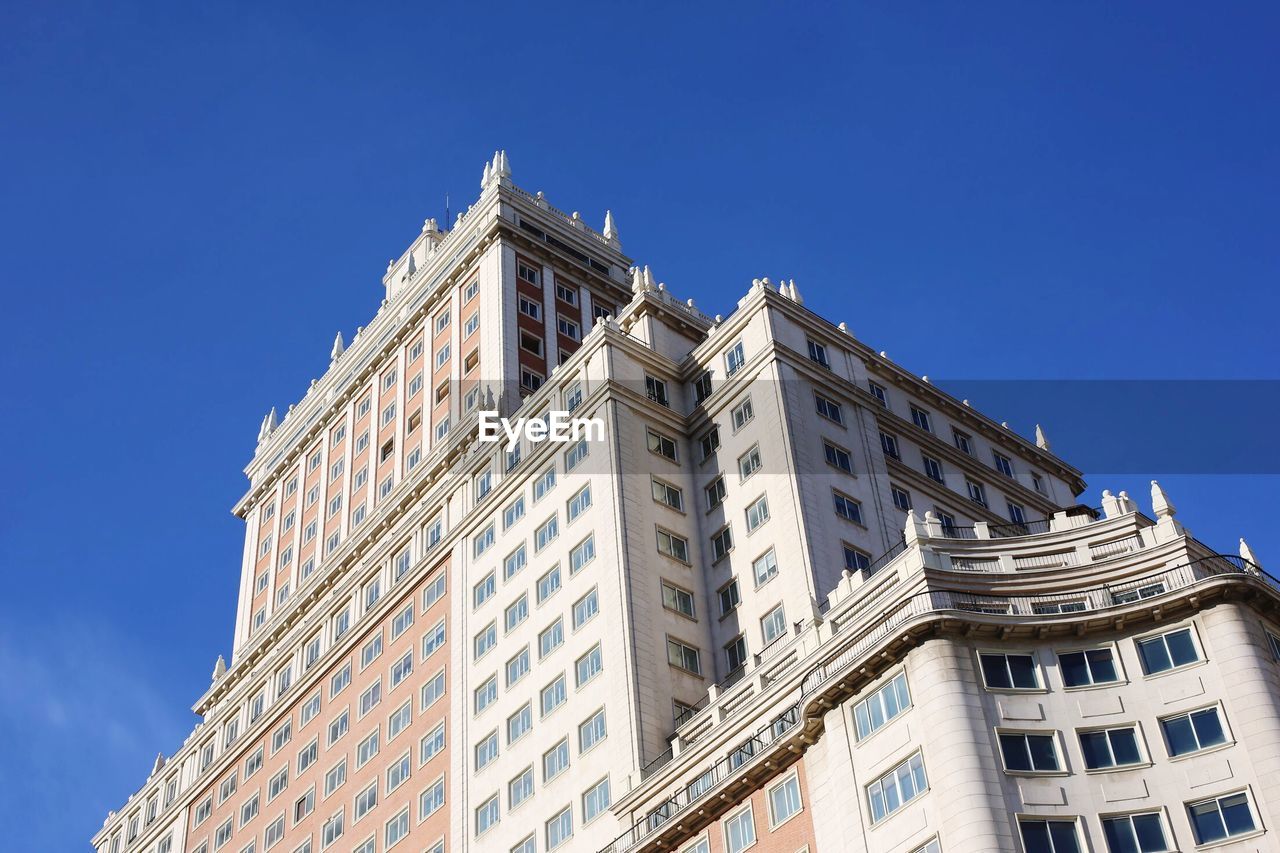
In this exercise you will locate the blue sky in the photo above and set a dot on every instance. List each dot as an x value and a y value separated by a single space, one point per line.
196 199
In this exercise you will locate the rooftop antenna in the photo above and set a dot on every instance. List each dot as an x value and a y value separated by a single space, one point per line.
448 221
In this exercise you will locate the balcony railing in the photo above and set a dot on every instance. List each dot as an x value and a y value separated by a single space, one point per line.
1041 608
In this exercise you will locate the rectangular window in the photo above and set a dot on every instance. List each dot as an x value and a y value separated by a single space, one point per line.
829 409
932 468
484 641
764 568
702 387
560 829
1009 671
520 789
882 706
740 831
1002 463
1050 836
977 491
661 445
709 443
431 800
837 457
585 608
546 533
367 749
1222 817
656 390
1193 731
432 744
579 503
549 583
551 638
665 493
553 695
684 656
530 308
734 359
1029 752
555 760
673 546
784 800
721 543
1135 833
715 493
486 750
484 590
1110 748
920 418
588 666
1087 668
749 463
1167 651
677 599
595 801
592 731
757 513
896 788
773 625
742 414
487 815
486 694
846 507
518 667
729 597
901 498
519 723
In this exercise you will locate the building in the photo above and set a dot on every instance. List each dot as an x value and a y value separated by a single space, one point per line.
776 592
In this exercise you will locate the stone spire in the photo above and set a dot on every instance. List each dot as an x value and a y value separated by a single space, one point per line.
648 279
486 177
637 280
338 348
268 425
610 229
793 293
1160 502
501 168
1041 441
1246 553
155 768
219 668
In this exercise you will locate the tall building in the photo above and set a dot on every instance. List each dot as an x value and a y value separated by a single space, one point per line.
716 584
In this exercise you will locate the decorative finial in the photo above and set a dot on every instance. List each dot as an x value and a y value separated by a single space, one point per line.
1246 553
219 668
338 348
155 768
486 177
610 229
637 280
1160 502
884 354
689 302
1004 424
504 167
430 226
795 294
391 263
718 319
271 420
965 402
648 278
925 379
1041 441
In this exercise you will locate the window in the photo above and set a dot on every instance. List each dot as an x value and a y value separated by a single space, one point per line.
673 546
307 756
977 491
432 690
518 666
920 418
435 590
1110 748
588 666
962 441
567 293
729 596
473 323
399 720
656 390
433 640
1192 732
665 493
585 608
516 612
560 828
1001 463
402 669
371 651
684 656
530 308
249 810
677 599
518 724
486 694
661 445
1049 836
396 829
882 706
709 443
546 533
513 512
1222 817
1087 668
749 462
484 641
431 800
333 829
579 503
367 749
896 788
1009 671
735 653
1135 833
530 342
734 359
487 814
555 760
773 625
484 590
889 444
784 800
280 737
592 731
1028 752
829 409
901 498
340 679
551 638
553 696
531 380
549 583
846 507
742 414
431 744
739 831
595 800
721 543
764 568
520 789
334 779
837 457
486 750
544 484
1167 651
818 353
365 801
932 468
1016 513
702 387
757 513
715 493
